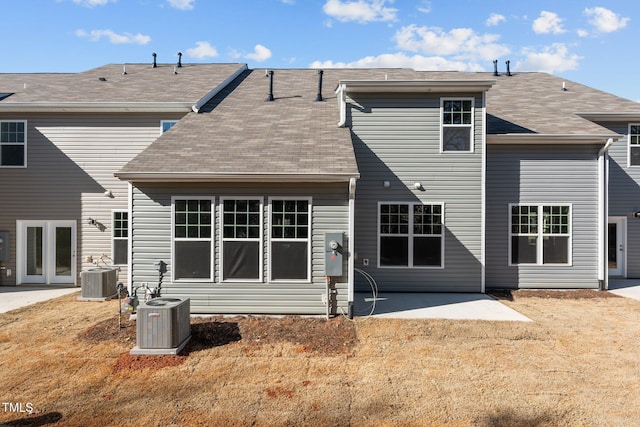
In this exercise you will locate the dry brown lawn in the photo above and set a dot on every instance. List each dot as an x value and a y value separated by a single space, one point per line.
577 364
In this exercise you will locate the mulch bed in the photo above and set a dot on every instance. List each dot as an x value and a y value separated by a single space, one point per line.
307 334
509 294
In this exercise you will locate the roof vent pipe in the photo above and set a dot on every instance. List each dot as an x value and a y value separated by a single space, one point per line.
508 69
154 60
319 96
179 59
495 67
270 75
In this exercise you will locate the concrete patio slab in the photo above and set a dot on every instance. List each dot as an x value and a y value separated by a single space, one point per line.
12 297
434 306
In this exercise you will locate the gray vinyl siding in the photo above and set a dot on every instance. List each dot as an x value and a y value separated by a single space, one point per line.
538 175
624 195
152 242
398 140
70 164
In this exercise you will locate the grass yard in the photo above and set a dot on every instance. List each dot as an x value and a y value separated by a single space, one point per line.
66 363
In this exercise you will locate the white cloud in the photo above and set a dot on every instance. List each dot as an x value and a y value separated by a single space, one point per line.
361 11
114 38
582 33
548 22
494 19
426 7
605 20
461 43
93 3
400 60
288 1
202 50
182 4
260 54
552 59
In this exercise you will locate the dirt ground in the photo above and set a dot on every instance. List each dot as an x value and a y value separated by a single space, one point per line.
67 363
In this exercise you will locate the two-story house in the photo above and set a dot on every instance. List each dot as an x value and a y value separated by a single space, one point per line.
62 136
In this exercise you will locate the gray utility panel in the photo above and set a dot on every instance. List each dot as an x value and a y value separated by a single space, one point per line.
333 250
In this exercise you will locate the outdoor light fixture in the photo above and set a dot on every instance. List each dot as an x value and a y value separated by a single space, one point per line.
108 194
636 214
91 221
418 186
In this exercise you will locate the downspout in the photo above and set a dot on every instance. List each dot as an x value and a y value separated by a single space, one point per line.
603 214
130 239
350 272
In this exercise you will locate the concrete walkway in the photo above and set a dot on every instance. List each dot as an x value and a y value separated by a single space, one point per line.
629 288
434 306
12 297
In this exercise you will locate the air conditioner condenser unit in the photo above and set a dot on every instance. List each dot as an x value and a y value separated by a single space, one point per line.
162 326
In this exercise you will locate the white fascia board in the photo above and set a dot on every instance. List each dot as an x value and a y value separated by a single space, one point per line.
96 107
230 177
416 86
611 117
534 138
198 105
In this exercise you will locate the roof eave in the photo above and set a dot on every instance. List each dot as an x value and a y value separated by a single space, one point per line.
234 177
413 86
534 138
96 107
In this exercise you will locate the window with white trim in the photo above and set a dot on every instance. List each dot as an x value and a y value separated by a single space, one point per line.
165 125
410 235
290 233
540 234
193 238
13 143
456 133
634 145
120 243
241 239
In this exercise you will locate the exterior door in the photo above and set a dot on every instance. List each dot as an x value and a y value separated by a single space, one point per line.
617 246
46 252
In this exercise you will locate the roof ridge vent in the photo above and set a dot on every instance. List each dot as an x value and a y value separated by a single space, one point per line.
319 96
154 60
270 75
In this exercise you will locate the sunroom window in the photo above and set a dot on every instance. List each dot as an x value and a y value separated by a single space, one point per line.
290 233
241 239
193 238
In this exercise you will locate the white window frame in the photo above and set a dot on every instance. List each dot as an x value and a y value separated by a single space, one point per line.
629 145
24 144
210 239
540 236
471 126
162 123
308 240
410 235
260 239
114 238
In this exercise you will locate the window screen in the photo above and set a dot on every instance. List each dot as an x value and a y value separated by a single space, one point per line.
241 239
290 225
193 239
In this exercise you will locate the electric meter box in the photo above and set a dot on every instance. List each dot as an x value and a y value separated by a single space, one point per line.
333 251
4 245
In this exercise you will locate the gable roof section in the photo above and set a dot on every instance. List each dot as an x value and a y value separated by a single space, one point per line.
107 88
240 136
534 107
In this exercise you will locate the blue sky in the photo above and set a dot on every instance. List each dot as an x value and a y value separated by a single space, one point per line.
582 41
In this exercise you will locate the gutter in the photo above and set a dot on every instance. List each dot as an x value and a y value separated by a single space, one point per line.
537 138
213 92
234 177
96 107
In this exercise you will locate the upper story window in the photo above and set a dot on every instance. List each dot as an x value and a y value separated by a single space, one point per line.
13 143
456 133
167 124
634 145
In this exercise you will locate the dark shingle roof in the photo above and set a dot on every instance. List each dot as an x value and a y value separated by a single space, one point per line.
141 83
